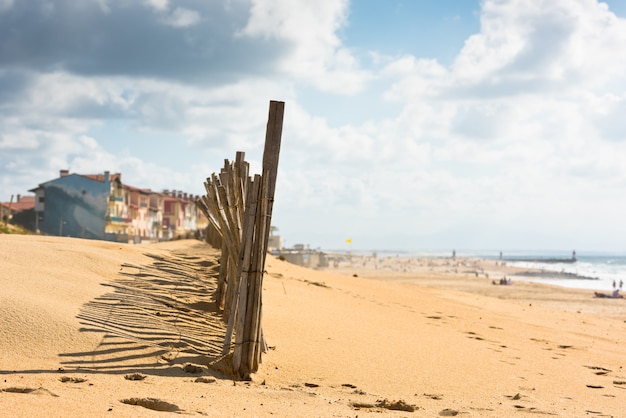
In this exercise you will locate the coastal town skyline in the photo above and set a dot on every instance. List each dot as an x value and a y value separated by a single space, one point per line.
409 125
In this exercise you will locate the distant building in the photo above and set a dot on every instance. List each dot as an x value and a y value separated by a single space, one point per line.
301 255
117 221
305 258
75 205
275 242
146 216
21 211
181 216
100 206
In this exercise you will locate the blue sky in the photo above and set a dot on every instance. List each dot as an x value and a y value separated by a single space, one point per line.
494 124
435 29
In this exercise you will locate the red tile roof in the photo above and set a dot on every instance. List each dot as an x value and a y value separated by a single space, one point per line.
137 189
100 177
25 203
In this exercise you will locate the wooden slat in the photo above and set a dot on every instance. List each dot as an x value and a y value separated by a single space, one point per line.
246 259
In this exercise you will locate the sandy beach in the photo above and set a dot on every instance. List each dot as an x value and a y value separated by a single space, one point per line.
91 328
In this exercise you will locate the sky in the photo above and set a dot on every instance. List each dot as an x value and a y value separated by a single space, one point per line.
409 125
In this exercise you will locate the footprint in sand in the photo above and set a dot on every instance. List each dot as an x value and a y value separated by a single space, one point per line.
32 391
474 336
205 380
386 404
192 368
599 370
66 379
532 410
515 397
152 403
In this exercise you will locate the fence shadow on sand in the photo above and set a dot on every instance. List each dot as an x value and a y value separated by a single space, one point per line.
156 318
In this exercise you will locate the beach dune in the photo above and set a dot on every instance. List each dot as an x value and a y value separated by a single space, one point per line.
90 328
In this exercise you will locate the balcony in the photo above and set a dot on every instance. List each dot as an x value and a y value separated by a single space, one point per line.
117 219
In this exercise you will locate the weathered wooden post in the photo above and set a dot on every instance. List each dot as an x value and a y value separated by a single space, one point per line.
240 210
249 343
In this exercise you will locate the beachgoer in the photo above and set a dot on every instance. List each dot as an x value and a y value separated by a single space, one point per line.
614 295
614 284
621 283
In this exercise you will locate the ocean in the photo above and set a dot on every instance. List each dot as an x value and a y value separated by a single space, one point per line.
592 270
596 271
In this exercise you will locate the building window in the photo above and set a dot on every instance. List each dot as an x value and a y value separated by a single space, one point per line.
42 199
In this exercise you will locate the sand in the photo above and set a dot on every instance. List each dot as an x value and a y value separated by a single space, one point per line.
90 328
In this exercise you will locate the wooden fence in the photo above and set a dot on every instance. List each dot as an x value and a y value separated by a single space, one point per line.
239 209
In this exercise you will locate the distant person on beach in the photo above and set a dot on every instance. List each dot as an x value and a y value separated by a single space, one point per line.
504 281
621 283
614 295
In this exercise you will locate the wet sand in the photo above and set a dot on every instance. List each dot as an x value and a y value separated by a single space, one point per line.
482 277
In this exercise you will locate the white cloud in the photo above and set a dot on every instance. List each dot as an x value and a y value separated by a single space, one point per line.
315 52
5 5
416 78
534 45
181 18
522 135
158 5
518 128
